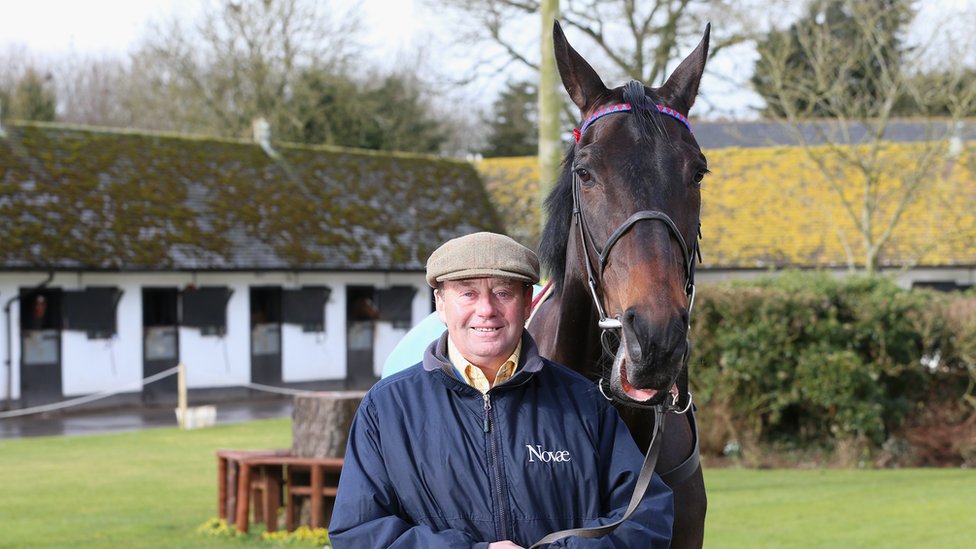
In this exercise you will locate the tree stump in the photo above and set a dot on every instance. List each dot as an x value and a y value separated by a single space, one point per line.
321 421
320 428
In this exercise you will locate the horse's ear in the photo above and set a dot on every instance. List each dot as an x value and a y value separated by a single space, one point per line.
682 86
580 80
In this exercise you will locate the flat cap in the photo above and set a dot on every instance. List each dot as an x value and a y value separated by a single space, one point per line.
482 255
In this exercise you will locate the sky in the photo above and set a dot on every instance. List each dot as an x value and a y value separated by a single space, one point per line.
112 26
392 30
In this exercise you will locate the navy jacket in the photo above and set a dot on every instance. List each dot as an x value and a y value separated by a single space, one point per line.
433 463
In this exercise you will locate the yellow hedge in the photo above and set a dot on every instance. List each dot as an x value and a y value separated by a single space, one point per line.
513 186
772 207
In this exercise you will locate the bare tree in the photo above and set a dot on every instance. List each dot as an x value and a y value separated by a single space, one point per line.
239 61
93 90
630 38
15 60
844 129
25 86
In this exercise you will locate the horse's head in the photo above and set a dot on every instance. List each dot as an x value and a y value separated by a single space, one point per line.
634 175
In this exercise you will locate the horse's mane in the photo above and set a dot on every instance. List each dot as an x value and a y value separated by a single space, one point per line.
559 208
559 204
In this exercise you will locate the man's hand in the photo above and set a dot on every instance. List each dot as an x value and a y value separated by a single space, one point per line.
504 545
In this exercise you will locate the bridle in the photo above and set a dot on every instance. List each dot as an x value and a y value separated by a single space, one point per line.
686 468
602 254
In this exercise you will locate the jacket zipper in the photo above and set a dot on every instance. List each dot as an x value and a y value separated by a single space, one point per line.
496 470
487 423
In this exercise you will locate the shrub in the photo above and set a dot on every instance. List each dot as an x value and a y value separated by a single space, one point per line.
808 360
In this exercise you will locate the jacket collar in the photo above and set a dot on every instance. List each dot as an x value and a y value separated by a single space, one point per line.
435 357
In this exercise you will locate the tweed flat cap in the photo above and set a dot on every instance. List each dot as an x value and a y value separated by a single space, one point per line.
482 255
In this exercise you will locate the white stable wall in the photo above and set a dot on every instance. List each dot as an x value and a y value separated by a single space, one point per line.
116 364
93 365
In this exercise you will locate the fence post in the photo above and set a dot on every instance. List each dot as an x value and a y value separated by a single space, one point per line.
181 393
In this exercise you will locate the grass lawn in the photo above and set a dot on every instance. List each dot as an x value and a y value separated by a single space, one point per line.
154 488
145 489
908 508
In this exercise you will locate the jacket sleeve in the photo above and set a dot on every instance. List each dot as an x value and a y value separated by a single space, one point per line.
367 512
650 524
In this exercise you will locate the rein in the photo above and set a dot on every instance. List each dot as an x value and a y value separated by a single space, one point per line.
680 390
643 482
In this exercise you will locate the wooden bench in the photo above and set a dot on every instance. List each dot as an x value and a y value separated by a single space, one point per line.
261 472
317 479
229 465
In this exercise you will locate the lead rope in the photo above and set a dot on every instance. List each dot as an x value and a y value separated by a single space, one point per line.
643 483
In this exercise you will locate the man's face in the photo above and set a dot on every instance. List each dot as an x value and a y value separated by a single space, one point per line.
484 316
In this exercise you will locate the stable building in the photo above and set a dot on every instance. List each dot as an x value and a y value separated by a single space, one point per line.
767 208
123 254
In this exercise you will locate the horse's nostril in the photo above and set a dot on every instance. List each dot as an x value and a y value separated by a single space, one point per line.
648 341
629 316
633 321
635 334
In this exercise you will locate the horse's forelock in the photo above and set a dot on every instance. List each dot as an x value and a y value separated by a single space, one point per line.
636 94
645 110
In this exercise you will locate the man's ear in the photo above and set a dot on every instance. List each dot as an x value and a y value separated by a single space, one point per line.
439 304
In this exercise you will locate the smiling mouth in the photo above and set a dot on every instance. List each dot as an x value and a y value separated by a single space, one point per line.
486 330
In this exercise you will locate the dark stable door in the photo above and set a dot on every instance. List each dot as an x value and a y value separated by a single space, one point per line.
40 344
160 344
266 335
361 316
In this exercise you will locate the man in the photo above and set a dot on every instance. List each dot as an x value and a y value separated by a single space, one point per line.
485 444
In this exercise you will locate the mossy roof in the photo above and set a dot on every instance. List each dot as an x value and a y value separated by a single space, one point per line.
82 198
772 208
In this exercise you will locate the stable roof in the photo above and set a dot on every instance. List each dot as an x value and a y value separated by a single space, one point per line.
77 198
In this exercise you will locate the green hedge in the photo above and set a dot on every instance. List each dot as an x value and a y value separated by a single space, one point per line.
805 360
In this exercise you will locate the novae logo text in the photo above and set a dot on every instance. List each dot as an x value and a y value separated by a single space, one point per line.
547 456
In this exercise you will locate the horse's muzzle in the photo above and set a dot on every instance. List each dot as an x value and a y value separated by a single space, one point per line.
649 358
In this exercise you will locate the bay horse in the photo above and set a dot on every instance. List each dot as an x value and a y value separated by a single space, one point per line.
620 217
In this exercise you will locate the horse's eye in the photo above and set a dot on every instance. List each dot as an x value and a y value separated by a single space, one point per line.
583 174
700 175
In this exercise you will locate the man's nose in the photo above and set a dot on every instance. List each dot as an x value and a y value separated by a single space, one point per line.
485 305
